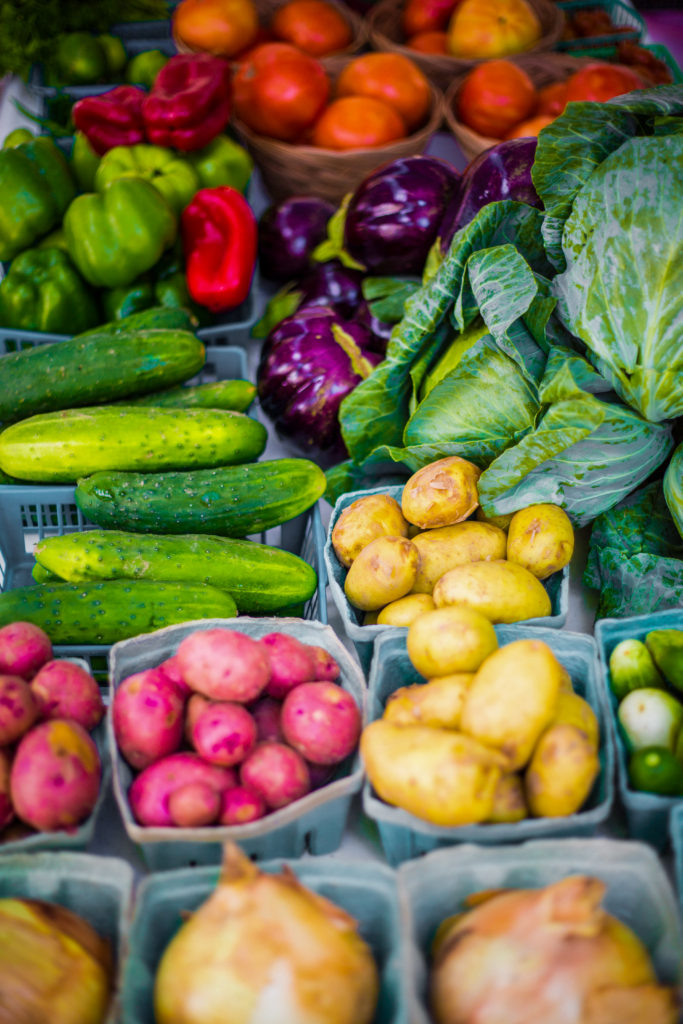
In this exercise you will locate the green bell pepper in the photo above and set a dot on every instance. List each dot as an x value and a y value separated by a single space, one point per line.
116 235
144 67
79 59
169 173
222 162
55 240
114 54
120 302
84 162
44 292
36 188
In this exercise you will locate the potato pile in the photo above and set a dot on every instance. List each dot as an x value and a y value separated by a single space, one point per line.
426 553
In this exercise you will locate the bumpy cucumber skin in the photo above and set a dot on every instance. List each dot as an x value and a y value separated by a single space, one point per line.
43 575
106 612
60 447
260 578
221 394
172 318
78 372
227 501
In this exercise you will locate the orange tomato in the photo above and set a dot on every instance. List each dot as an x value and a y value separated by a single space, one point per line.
392 78
279 91
601 81
426 15
315 26
494 97
531 126
552 99
428 42
357 122
222 27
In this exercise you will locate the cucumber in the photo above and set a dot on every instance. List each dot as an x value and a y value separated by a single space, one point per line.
172 318
81 371
106 612
221 394
42 575
228 501
60 447
260 578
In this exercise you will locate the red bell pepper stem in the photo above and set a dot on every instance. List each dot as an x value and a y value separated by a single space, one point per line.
219 241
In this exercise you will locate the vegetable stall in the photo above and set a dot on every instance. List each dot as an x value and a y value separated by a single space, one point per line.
341 513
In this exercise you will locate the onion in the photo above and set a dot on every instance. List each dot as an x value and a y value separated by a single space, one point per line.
264 949
545 956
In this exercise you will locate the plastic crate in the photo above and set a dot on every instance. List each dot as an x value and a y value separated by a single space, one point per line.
133 46
638 893
99 889
647 814
403 835
152 32
367 891
315 823
676 834
364 636
609 53
623 16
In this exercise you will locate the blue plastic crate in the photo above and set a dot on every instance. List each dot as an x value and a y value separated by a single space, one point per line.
403 835
676 834
623 16
647 813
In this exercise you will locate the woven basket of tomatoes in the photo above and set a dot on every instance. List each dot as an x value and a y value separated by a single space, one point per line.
449 37
319 127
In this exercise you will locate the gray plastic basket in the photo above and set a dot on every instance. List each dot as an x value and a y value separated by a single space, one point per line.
363 636
315 822
647 814
99 889
638 893
367 891
404 836
133 44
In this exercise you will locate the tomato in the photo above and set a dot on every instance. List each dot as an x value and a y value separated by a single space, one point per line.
495 97
426 15
392 78
264 35
429 42
223 27
530 127
315 26
552 99
280 91
357 122
601 81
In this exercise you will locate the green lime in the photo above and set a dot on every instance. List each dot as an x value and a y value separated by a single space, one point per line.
79 59
114 54
656 770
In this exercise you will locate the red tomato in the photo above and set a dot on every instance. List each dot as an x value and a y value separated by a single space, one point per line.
428 42
280 91
392 78
552 99
426 15
495 97
530 127
357 122
314 26
601 81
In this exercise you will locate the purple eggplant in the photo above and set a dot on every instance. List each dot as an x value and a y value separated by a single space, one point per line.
288 232
332 284
394 214
309 363
378 330
501 172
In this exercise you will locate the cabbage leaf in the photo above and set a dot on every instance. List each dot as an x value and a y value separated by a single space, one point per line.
673 488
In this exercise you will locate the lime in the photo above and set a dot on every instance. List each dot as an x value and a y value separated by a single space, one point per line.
656 770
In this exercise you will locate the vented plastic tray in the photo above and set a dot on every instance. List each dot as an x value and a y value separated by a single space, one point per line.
628 23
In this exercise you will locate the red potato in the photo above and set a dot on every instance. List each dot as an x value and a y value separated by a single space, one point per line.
171 670
23 649
151 790
224 664
194 805
241 805
224 733
6 808
324 665
193 710
65 690
277 773
321 721
291 663
18 709
147 713
55 776
266 713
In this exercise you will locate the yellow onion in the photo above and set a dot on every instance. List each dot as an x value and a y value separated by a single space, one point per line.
545 956
54 968
264 949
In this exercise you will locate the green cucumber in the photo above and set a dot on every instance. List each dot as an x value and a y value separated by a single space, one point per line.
260 578
81 371
227 502
113 610
60 447
172 318
42 575
220 394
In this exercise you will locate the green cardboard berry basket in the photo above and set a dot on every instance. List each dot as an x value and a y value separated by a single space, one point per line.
363 637
366 890
315 823
638 893
404 836
624 17
647 814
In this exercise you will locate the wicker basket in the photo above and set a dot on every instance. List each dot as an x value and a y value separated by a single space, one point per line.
386 33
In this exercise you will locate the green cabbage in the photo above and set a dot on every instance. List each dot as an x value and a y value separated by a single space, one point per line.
673 488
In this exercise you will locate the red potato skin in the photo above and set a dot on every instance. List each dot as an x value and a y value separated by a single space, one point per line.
241 805
193 709
55 776
224 733
194 805
277 773
65 690
18 709
321 721
6 808
291 663
151 790
171 670
266 713
224 664
24 648
147 713
325 666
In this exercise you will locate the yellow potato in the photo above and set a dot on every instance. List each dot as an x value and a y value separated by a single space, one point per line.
513 698
574 710
370 618
438 775
376 515
383 571
450 640
566 684
561 772
444 548
509 803
404 611
502 591
437 703
541 538
502 522
442 493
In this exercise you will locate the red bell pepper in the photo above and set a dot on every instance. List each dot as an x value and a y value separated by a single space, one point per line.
219 242
113 118
190 101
